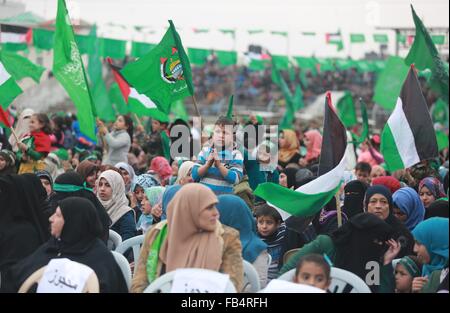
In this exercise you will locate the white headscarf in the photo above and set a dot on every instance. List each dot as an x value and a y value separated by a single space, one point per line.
117 206
184 169
22 127
127 167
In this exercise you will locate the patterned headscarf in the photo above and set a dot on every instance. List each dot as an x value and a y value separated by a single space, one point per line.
434 185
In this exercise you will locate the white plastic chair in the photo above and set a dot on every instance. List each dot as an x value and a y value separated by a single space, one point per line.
341 281
163 284
135 243
251 277
124 267
114 240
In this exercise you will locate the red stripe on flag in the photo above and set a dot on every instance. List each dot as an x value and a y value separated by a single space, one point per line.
4 117
29 36
123 84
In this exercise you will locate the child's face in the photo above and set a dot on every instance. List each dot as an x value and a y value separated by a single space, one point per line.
146 207
174 168
156 126
314 275
223 135
266 225
363 176
2 163
403 280
35 125
139 193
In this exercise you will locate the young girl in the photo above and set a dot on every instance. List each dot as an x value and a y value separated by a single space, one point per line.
313 270
405 271
152 199
35 146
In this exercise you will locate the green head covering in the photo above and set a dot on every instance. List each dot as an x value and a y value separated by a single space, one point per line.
154 194
410 266
62 154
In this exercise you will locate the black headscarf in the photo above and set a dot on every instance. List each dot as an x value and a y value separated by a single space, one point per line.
401 233
78 242
438 208
355 243
81 224
290 174
73 178
23 225
354 198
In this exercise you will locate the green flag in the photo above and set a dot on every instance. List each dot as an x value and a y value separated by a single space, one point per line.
380 38
230 107
20 67
326 65
285 34
258 65
298 98
198 56
438 39
179 110
439 112
232 32
139 49
286 121
346 109
43 38
364 66
307 64
99 93
115 96
201 30
390 82
401 38
226 58
163 74
424 54
344 64
9 89
357 38
442 140
113 48
68 69
165 141
83 43
255 31
281 61
365 125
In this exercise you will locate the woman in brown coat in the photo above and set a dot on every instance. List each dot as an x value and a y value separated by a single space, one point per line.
192 237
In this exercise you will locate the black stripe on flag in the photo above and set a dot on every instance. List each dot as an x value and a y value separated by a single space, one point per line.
334 140
418 116
6 28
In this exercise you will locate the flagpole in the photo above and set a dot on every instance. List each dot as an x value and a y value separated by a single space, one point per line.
338 209
195 106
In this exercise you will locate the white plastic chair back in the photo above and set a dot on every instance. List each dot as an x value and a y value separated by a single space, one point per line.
163 284
251 277
124 267
135 243
114 240
342 281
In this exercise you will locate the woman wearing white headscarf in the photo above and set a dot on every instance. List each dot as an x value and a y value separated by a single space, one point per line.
185 173
22 127
111 193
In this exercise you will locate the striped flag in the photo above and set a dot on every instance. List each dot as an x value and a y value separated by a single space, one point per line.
138 103
15 38
408 136
9 89
308 199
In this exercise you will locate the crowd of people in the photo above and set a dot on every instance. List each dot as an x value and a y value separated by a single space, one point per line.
61 193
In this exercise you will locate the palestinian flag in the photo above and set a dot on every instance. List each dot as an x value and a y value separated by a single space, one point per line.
9 89
308 199
335 39
408 136
15 38
137 103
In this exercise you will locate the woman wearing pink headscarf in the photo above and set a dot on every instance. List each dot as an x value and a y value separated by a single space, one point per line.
162 169
313 143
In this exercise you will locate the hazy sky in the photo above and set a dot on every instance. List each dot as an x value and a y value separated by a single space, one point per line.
295 16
